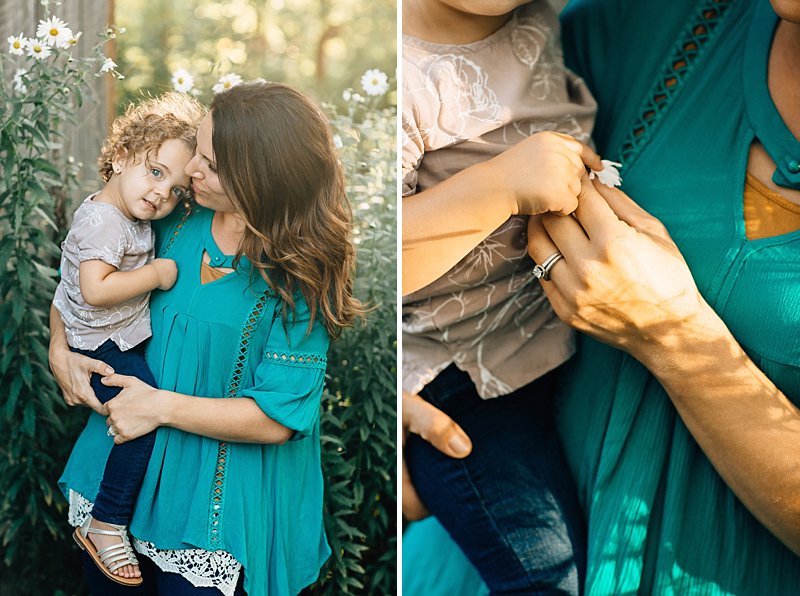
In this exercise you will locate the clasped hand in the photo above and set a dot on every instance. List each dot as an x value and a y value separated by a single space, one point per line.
133 412
622 279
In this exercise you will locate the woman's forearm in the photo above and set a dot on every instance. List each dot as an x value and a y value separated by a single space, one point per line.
58 332
442 224
236 420
746 426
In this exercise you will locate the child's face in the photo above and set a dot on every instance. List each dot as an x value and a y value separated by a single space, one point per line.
145 184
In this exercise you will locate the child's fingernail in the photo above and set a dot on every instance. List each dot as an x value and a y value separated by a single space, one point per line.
458 444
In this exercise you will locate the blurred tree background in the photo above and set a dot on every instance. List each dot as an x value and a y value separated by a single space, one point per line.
319 46
48 147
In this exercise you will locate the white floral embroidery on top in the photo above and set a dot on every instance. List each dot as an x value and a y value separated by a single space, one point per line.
533 41
461 85
463 105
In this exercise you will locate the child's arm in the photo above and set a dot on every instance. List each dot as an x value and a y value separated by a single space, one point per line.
103 285
442 224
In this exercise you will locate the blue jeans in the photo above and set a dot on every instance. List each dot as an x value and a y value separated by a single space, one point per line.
511 505
127 463
155 582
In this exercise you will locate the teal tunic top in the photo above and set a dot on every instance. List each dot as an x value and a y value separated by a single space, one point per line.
681 89
226 339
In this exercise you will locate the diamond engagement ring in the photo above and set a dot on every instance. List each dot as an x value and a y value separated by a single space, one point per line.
543 271
111 432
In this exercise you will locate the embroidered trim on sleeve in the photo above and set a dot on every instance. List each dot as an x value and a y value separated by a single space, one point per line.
297 359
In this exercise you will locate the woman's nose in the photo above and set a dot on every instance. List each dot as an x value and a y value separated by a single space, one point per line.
192 168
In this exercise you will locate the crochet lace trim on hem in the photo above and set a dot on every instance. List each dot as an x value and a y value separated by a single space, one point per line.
202 568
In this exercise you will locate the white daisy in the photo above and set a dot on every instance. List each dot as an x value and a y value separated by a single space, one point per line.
37 49
108 65
609 175
375 82
74 39
226 82
19 83
54 32
182 81
347 94
337 142
16 44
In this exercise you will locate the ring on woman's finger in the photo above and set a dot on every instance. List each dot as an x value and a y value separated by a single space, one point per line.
543 271
111 432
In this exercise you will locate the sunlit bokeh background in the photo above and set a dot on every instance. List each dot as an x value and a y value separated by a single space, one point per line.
320 46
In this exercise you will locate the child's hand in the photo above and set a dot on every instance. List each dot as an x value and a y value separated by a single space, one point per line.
167 273
544 172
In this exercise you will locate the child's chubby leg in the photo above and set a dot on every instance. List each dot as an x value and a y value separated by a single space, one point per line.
511 505
126 463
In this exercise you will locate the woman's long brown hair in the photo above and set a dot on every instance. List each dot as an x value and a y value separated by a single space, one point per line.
276 161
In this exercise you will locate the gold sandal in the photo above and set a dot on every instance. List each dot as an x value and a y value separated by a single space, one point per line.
112 557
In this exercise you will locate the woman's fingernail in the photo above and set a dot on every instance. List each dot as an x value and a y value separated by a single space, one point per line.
109 370
458 444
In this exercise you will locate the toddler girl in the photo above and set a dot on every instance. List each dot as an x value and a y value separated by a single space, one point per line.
482 80
108 272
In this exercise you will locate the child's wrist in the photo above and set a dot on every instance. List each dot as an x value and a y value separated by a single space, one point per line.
497 186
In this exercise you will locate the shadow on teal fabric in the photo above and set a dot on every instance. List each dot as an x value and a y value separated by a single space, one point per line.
444 571
225 339
679 105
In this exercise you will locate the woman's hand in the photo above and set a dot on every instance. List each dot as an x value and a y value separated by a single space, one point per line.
436 427
135 411
622 279
73 371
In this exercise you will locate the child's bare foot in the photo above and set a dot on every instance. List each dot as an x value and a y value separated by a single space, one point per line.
102 541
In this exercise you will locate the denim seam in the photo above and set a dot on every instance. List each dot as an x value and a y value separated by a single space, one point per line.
491 518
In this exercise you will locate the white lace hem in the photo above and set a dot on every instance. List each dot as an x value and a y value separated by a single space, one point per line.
202 568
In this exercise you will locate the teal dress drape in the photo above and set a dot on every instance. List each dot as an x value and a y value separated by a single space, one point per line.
226 339
681 88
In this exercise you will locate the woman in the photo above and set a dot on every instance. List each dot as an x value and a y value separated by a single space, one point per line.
697 495
234 486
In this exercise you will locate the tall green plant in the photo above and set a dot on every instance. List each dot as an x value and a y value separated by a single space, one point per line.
36 104
359 407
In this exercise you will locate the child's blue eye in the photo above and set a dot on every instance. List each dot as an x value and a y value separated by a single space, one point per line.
156 172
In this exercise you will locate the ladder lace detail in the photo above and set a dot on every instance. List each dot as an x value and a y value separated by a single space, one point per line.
297 359
175 232
203 568
695 38
217 502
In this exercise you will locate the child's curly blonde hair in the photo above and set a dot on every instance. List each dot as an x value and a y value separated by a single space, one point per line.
144 127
